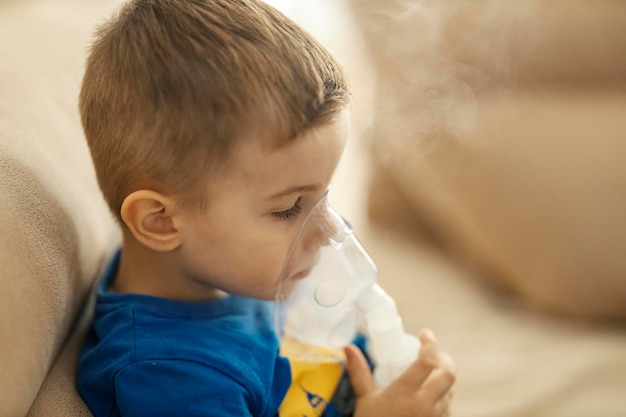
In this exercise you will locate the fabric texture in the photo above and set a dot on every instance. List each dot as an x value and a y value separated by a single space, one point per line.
153 356
55 229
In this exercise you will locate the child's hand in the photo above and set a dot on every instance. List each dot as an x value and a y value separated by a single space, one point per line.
423 390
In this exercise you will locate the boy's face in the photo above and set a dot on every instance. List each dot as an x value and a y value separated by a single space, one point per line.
254 211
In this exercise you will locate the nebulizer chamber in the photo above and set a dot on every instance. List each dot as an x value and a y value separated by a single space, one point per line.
327 284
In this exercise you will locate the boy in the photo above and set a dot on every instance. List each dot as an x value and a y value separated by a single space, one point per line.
214 127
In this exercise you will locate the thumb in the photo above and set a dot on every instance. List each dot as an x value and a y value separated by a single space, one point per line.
359 371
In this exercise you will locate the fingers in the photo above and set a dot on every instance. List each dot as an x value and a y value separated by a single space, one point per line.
421 368
439 382
359 372
424 389
433 373
441 411
442 407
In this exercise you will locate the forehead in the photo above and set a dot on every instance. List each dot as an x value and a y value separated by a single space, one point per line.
309 158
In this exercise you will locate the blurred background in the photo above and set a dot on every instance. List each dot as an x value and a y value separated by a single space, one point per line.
486 174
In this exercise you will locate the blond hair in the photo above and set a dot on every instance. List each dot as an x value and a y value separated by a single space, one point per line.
170 85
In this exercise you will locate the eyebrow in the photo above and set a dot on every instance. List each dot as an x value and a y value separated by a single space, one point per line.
294 189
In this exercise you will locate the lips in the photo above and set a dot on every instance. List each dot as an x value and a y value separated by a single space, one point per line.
308 264
301 275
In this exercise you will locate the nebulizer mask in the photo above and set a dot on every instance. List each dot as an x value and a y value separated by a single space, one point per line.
327 290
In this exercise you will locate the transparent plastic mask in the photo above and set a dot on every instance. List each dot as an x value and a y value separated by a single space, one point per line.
327 282
326 270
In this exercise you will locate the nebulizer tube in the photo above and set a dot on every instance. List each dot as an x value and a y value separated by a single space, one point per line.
393 349
327 284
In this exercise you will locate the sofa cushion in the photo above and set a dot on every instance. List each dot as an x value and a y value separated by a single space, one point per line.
56 229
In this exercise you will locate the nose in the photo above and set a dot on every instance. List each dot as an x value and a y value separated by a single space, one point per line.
324 225
319 230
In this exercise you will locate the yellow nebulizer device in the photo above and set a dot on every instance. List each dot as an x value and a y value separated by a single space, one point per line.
328 291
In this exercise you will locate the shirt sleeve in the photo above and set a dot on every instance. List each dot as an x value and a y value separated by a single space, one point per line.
171 388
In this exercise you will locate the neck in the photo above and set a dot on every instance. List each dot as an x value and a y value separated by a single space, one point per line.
148 272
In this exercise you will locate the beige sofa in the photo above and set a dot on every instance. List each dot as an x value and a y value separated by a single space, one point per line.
55 229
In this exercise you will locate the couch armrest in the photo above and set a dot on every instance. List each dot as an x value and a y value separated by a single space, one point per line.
58 396
55 229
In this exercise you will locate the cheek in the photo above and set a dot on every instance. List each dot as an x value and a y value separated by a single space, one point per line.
276 264
272 255
243 246
258 250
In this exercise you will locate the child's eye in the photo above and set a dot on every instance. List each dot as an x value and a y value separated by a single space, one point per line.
290 213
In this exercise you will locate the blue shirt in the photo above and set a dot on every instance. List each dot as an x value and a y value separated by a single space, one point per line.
148 356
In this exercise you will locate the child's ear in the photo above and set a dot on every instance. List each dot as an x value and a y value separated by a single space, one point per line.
150 218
